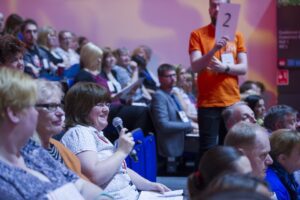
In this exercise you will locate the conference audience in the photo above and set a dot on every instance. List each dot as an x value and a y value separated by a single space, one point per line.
27 170
91 58
87 109
285 148
214 163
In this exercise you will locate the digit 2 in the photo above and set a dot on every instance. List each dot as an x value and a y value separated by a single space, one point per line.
225 24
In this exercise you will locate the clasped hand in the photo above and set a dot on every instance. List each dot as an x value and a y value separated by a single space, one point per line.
125 141
216 65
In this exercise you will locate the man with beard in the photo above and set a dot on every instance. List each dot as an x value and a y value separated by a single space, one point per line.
217 81
35 59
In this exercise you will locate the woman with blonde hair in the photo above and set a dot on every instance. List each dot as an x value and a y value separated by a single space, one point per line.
47 40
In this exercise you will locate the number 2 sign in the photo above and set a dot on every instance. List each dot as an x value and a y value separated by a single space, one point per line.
227 20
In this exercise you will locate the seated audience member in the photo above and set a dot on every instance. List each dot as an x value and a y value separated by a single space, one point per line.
188 106
145 52
51 121
133 116
28 171
126 73
251 88
216 162
69 56
170 122
11 52
237 183
257 104
281 117
189 86
36 60
47 39
12 25
86 116
237 112
108 63
253 141
74 43
285 148
81 42
126 70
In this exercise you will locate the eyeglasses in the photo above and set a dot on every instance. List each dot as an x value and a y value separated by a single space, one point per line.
103 104
169 76
52 107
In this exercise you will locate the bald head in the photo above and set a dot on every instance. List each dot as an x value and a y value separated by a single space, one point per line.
253 141
238 112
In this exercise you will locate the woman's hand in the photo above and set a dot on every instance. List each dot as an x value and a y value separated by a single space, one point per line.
125 142
158 187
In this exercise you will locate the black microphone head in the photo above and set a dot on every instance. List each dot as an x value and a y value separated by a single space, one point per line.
117 122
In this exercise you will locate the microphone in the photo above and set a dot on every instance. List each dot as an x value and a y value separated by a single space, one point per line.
118 124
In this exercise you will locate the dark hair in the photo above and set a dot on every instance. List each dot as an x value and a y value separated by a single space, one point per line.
247 85
165 67
26 22
12 21
252 100
235 181
213 163
9 47
277 113
60 34
141 62
232 194
79 101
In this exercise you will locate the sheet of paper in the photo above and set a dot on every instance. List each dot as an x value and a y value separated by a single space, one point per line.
127 91
174 195
227 20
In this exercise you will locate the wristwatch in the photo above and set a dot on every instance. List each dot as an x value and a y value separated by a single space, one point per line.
227 69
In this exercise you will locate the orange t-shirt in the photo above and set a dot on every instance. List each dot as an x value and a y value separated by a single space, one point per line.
216 89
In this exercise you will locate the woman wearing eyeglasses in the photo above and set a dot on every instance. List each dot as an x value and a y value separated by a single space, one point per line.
50 122
104 164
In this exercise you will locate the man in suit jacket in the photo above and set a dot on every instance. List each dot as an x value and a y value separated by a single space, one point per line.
171 123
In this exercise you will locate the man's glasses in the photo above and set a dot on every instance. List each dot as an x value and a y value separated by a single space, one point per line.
169 76
52 107
103 104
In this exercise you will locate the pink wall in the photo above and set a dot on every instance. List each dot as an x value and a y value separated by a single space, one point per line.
164 25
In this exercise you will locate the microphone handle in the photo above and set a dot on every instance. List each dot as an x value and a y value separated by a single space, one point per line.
134 156
133 153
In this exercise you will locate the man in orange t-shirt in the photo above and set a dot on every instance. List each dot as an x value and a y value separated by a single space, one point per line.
217 81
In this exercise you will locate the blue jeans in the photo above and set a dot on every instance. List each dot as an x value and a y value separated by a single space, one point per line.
211 128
